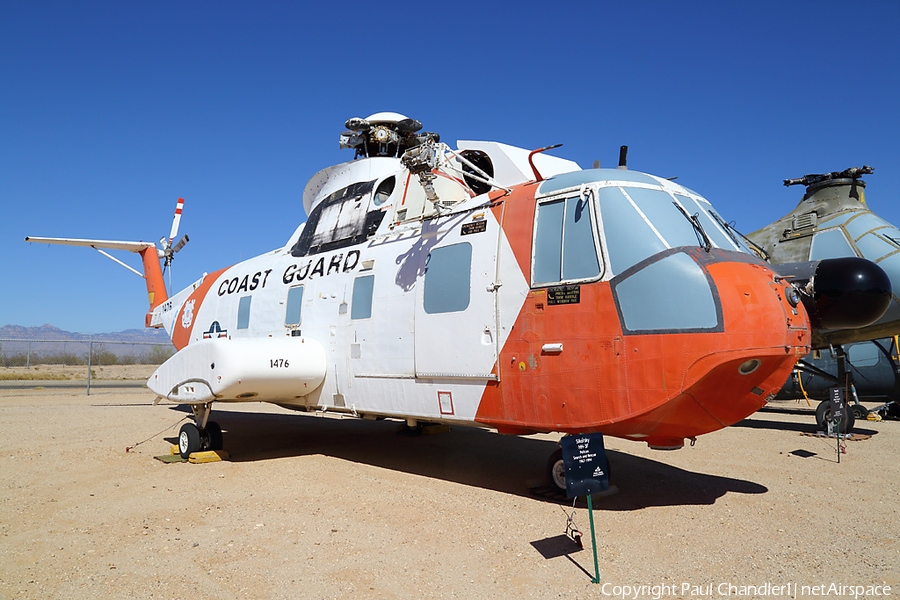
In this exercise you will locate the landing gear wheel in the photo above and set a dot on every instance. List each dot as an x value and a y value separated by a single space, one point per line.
823 416
188 440
213 437
556 472
860 412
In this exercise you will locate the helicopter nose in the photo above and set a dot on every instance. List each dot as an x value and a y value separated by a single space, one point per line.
848 292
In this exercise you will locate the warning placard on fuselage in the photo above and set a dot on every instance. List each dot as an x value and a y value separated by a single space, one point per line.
585 460
564 294
475 227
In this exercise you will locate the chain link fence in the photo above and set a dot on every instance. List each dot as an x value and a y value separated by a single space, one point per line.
71 363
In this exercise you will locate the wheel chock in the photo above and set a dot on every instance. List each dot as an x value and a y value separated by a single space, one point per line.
174 450
208 456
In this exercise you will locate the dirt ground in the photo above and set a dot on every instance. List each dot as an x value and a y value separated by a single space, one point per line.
312 506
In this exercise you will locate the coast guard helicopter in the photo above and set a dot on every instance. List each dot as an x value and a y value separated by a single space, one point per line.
496 287
831 221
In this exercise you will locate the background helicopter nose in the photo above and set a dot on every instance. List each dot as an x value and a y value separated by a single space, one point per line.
848 292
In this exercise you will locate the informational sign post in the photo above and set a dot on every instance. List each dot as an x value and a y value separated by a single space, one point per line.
838 414
586 473
838 407
585 459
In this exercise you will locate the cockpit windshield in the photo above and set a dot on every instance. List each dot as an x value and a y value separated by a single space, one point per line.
641 215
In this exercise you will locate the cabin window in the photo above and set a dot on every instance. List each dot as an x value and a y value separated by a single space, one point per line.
448 274
564 248
361 303
294 302
244 312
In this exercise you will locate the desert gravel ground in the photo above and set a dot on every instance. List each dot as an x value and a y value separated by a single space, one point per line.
312 506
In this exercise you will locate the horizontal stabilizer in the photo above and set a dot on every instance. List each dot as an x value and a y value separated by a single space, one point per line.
112 245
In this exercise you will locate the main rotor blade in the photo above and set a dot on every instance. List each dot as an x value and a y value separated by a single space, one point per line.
112 245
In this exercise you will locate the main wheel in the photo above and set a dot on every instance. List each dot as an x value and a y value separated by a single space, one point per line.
823 416
556 472
188 440
213 436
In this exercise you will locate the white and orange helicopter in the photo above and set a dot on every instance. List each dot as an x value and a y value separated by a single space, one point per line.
495 287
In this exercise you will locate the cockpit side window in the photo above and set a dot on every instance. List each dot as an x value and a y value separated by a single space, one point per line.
564 241
342 219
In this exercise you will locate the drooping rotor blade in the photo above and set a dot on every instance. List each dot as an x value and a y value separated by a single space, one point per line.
112 245
176 220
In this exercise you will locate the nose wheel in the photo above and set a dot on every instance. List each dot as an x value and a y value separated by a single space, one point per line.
206 435
193 439
188 440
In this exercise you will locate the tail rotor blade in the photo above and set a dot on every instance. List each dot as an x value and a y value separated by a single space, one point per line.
184 240
176 220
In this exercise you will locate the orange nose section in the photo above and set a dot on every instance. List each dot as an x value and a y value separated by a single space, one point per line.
736 370
728 393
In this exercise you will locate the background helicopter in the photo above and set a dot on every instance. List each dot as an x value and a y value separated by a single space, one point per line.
832 221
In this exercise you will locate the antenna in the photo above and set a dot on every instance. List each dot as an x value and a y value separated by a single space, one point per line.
623 158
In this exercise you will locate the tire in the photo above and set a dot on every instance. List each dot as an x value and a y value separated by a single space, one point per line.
860 412
823 415
188 440
213 436
556 472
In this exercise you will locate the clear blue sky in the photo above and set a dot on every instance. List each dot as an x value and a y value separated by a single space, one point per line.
109 111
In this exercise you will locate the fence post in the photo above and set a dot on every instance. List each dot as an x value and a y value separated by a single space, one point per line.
90 351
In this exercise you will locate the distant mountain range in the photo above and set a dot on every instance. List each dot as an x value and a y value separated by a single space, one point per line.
50 332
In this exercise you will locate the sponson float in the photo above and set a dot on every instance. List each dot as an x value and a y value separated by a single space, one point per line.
487 286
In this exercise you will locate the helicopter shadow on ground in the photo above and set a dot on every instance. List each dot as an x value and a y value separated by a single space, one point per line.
465 455
806 427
